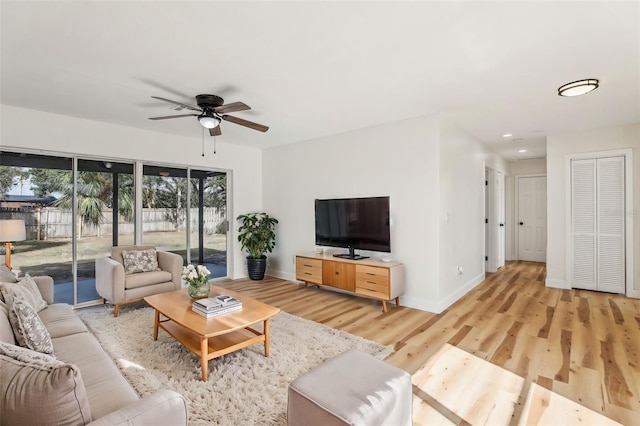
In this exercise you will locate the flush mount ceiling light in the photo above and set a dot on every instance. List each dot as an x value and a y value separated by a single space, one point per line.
578 88
522 150
209 121
507 135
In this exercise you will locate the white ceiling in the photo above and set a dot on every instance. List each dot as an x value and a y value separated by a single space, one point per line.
312 69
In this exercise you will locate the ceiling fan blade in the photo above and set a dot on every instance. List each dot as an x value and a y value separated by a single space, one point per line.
173 116
245 123
191 107
232 107
216 131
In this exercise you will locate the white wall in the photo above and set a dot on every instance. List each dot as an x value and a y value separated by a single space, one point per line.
558 147
426 165
396 159
36 130
462 212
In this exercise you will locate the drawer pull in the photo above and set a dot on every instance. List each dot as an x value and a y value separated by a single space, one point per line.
369 273
309 266
371 282
307 273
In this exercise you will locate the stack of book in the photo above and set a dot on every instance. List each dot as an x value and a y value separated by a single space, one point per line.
216 305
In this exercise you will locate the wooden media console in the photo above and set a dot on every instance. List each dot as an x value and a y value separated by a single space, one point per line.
369 278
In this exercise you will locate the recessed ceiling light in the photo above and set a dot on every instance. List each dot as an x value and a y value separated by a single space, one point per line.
507 135
577 88
522 150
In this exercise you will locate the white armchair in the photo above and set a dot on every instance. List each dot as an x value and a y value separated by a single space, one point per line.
119 285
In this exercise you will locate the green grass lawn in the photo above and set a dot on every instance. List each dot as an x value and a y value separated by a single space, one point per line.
54 257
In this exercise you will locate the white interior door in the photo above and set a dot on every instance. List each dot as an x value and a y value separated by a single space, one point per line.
532 218
583 223
500 212
598 224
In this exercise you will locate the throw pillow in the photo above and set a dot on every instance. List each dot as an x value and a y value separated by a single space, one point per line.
6 276
136 261
37 388
26 289
29 330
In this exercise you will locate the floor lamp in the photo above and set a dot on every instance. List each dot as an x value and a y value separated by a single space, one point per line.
11 230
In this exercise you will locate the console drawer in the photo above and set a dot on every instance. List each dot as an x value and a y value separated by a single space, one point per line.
309 270
372 281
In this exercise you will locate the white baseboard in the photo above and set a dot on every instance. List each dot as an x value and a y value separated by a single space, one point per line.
289 276
438 307
555 283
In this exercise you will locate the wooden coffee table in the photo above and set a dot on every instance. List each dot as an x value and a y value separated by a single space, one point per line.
210 338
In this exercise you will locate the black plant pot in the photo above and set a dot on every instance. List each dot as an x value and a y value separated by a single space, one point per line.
256 267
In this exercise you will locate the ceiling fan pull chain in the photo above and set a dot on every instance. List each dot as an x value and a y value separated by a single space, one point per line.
203 141
214 144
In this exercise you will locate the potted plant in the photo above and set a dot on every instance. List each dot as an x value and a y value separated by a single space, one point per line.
257 237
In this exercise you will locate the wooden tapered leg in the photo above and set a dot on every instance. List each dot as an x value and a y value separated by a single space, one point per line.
204 351
266 337
116 309
384 306
398 301
156 323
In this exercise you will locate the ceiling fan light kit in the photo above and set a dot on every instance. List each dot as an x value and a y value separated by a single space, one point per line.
209 122
211 110
577 88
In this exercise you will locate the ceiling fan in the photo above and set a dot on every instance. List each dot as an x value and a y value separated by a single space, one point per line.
211 110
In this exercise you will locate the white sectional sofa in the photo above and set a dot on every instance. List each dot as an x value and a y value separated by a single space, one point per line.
81 385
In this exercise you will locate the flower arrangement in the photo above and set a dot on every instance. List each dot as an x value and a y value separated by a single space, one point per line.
197 277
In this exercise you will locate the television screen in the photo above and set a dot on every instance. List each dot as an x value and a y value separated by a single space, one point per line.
354 223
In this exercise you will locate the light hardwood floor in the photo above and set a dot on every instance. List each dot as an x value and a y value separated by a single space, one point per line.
583 345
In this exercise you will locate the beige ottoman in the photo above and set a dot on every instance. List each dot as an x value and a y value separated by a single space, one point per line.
351 389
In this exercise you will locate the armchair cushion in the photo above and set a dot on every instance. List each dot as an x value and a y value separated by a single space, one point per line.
148 278
136 261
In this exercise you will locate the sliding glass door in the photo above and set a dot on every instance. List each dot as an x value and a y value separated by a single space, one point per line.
208 212
105 217
77 209
39 190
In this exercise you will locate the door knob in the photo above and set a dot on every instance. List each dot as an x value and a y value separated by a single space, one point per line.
521 223
502 224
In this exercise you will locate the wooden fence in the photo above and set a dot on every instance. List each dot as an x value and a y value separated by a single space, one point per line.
51 222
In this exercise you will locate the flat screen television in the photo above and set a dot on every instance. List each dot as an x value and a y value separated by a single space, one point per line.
354 223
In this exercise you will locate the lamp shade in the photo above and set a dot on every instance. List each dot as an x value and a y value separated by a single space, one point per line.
12 230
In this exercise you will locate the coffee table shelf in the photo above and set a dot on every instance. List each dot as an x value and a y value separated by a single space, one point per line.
218 345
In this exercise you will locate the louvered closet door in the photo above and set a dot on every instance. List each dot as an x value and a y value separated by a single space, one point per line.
597 221
583 223
610 219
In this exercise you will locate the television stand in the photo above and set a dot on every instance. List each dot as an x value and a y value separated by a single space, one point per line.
371 278
351 255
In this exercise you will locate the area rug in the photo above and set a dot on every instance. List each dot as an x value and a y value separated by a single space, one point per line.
244 387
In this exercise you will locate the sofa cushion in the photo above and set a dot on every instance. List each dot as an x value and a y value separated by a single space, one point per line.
145 279
29 330
136 261
107 389
37 389
6 276
60 320
6 331
25 289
